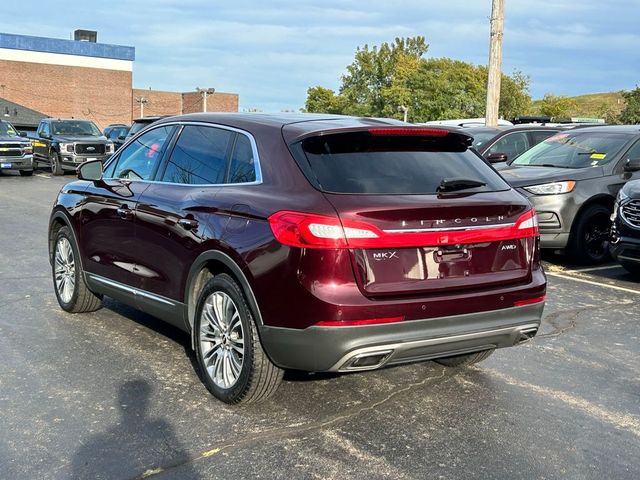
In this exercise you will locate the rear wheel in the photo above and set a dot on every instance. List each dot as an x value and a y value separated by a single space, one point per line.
464 360
589 243
68 281
234 367
56 165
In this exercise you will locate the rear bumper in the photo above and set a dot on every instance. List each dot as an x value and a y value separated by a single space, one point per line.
16 163
336 348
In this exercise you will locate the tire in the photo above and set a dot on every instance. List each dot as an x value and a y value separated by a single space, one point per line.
222 345
464 360
26 173
68 280
632 268
589 242
56 166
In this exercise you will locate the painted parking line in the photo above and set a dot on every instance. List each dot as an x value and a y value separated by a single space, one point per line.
591 282
593 269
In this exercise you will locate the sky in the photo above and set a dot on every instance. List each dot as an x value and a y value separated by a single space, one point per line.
271 52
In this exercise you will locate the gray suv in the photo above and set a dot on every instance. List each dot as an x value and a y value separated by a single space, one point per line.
572 180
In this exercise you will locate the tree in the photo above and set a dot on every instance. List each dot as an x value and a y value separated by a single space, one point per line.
631 112
378 73
324 100
556 106
382 78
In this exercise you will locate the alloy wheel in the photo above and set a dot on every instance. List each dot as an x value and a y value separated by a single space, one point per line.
65 272
222 339
596 236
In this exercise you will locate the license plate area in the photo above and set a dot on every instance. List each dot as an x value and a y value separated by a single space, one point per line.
425 269
5 165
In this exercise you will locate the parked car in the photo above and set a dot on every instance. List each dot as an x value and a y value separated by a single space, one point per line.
465 122
141 123
501 144
117 133
625 231
572 180
62 144
308 242
16 152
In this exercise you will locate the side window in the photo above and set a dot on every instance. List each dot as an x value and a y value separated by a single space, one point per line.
512 145
199 156
139 160
540 136
45 128
242 168
633 153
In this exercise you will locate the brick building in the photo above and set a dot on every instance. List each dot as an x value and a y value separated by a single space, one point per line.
85 79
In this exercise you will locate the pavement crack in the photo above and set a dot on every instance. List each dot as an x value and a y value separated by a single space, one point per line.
565 320
297 429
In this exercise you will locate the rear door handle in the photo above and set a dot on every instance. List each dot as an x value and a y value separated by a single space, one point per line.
124 212
188 223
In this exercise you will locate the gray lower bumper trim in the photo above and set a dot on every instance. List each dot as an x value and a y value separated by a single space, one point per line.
333 348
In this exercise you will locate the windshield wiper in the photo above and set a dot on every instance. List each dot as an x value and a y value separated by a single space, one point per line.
453 184
550 165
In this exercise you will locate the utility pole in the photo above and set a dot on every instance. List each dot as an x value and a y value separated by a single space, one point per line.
205 93
142 101
495 63
404 110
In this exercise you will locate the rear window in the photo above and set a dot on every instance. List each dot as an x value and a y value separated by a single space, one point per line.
358 162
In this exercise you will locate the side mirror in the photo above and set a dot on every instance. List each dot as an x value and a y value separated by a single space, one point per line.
91 171
22 134
632 165
122 137
497 157
45 135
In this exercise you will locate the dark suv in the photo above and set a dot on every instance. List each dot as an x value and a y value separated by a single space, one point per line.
625 228
318 243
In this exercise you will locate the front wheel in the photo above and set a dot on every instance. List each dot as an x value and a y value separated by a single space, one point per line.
589 243
56 165
234 367
464 360
68 281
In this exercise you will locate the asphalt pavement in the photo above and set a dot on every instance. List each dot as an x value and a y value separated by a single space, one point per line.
114 394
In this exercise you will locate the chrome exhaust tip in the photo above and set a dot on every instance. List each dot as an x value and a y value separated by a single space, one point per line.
367 361
526 335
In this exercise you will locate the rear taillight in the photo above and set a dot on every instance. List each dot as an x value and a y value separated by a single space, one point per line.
307 230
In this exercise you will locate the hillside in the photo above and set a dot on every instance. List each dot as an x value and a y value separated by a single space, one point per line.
600 105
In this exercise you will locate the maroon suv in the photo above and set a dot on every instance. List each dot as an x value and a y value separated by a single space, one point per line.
318 243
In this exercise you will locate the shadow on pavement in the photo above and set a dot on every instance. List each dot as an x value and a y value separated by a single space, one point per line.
134 445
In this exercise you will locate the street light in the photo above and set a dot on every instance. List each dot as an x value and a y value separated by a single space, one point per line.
205 93
404 110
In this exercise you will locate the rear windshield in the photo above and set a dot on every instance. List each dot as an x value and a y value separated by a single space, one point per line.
574 150
358 162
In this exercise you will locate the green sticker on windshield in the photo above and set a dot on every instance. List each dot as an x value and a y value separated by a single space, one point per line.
598 156
11 132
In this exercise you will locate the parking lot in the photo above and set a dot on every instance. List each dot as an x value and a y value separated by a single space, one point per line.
114 394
